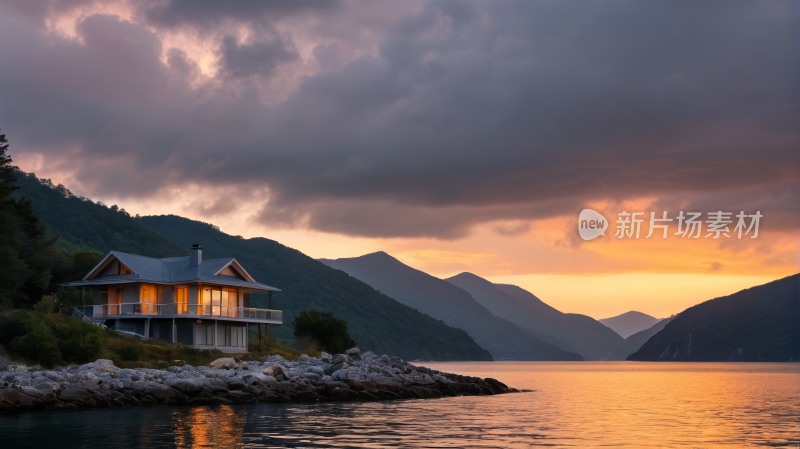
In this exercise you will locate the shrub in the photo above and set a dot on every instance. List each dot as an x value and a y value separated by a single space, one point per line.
12 325
329 331
38 343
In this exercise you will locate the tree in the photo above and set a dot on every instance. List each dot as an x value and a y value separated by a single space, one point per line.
27 253
329 331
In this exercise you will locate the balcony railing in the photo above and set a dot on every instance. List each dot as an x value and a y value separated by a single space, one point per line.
178 309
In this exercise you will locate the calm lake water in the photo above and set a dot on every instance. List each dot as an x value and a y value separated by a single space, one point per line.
589 404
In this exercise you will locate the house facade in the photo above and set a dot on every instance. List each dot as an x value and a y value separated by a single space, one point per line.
188 300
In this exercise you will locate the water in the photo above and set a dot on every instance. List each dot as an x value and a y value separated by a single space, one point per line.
581 404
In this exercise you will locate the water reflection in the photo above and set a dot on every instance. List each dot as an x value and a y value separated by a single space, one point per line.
614 404
209 426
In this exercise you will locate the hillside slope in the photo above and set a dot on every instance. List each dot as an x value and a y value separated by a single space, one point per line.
376 321
758 324
83 224
593 341
630 323
635 341
451 304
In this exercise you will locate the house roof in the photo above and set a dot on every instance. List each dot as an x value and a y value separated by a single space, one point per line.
171 270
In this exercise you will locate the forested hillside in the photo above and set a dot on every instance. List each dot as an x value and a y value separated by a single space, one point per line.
83 224
758 324
376 321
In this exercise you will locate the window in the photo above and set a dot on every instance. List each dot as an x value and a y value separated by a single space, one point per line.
148 299
181 299
219 302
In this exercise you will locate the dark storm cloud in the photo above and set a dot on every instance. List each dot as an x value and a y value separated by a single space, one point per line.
257 58
470 112
206 13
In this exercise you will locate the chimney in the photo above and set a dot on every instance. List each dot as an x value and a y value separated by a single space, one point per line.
196 255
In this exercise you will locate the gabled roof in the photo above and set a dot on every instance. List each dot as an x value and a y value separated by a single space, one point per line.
171 270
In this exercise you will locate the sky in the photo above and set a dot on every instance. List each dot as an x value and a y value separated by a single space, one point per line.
454 135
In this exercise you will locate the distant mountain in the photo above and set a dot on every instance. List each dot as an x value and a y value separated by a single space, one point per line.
758 324
84 224
451 304
635 341
580 334
630 323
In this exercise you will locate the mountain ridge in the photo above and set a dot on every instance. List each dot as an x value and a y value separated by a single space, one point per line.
450 303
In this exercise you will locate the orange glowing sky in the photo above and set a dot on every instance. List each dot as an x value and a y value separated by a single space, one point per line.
455 137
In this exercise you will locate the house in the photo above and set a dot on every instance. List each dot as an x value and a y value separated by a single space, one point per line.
196 302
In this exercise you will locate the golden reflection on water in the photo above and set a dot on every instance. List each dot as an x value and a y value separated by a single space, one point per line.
209 426
634 404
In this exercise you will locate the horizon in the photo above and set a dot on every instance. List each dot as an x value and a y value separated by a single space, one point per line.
456 137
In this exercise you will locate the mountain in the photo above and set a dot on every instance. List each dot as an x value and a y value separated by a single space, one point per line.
635 341
451 304
573 333
376 321
82 224
757 324
630 323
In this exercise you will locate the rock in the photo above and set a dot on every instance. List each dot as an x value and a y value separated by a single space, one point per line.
352 369
241 396
75 395
105 366
355 385
274 371
354 353
335 367
325 357
17 369
91 379
47 387
224 362
316 370
312 377
236 383
340 375
126 382
14 397
251 376
294 372
190 387
340 358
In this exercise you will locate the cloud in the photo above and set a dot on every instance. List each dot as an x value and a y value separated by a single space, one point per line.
430 122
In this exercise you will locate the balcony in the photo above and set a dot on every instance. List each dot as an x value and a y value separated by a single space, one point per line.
179 310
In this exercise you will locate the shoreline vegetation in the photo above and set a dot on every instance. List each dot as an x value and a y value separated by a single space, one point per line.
351 376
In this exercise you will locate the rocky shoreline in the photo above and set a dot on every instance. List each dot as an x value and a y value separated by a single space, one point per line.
344 377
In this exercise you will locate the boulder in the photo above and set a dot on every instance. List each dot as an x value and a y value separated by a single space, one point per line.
354 353
274 371
236 383
17 369
224 362
14 397
312 377
325 357
340 375
240 396
188 386
316 370
352 369
46 387
256 376
294 372
105 366
340 358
